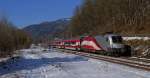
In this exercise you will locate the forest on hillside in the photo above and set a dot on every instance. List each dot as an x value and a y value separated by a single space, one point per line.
118 16
11 38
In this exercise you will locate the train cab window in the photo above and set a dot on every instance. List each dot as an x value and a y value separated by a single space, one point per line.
107 39
117 39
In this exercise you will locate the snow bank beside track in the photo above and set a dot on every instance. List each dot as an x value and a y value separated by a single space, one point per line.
136 38
53 64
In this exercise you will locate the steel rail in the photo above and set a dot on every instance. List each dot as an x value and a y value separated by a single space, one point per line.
127 62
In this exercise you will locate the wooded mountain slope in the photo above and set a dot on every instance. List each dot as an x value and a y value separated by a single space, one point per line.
48 30
119 16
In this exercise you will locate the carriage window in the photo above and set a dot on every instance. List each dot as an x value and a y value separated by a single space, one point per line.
73 43
67 43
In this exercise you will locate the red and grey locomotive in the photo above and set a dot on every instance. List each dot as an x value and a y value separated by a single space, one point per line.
110 44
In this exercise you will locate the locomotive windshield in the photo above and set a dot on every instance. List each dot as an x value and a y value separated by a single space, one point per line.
117 39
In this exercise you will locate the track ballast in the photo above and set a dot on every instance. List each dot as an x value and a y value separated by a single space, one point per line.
118 60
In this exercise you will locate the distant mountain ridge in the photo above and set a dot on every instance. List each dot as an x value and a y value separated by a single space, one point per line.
47 30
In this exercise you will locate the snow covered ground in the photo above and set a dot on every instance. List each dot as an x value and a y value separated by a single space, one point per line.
37 63
136 38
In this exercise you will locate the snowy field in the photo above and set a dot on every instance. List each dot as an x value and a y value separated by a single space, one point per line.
136 38
36 63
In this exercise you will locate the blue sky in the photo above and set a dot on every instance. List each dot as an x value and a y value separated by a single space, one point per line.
25 12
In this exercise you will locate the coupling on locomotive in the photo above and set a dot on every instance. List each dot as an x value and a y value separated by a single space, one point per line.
109 44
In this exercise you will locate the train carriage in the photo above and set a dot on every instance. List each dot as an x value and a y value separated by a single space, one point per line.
72 44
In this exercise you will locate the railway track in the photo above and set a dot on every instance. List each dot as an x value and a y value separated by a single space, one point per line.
145 65
138 59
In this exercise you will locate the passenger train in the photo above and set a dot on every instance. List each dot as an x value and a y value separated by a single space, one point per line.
109 44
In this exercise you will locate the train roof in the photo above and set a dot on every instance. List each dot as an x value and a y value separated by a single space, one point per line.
110 35
71 40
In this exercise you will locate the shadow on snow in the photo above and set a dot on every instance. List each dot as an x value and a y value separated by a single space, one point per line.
13 64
